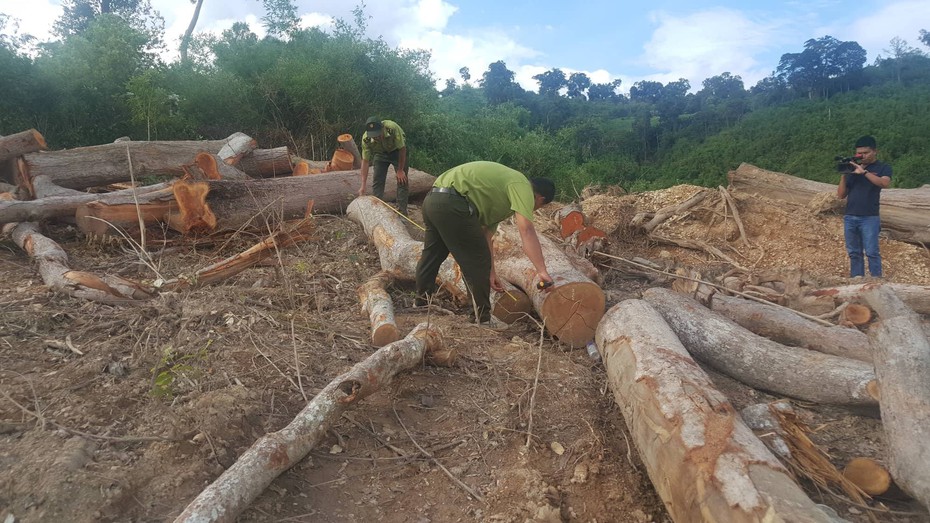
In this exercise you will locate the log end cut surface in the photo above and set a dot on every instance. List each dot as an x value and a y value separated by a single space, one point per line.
573 310
868 475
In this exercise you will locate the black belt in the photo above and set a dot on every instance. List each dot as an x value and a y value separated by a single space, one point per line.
472 210
447 190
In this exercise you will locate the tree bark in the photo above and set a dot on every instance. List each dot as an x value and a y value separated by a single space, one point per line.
572 308
902 363
398 252
267 163
917 297
62 202
101 165
905 213
704 462
21 143
377 304
785 327
58 276
762 363
276 452
236 204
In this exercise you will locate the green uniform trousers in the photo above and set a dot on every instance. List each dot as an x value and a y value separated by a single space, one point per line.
380 162
452 227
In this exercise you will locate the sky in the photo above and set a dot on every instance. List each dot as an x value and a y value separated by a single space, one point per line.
658 40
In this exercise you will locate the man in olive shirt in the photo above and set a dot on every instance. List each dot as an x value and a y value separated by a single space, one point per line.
384 144
461 214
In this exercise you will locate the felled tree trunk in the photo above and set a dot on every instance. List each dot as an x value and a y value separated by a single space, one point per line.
905 212
572 308
704 462
267 163
762 363
902 363
398 252
276 452
101 165
61 202
917 297
237 146
21 143
376 302
785 327
57 275
250 202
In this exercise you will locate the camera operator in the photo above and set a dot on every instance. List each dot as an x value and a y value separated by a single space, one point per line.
861 186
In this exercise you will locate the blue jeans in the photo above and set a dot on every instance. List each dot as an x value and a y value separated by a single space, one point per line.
862 235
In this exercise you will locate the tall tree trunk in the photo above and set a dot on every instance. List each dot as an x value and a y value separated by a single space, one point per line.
186 39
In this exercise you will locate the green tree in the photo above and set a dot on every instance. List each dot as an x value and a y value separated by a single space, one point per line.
280 17
646 91
606 92
577 85
77 16
551 82
499 85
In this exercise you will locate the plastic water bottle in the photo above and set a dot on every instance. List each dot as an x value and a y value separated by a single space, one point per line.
592 351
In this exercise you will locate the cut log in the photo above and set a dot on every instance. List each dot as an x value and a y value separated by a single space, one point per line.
917 297
570 219
347 142
65 202
193 212
511 305
101 165
705 464
213 169
301 168
236 146
377 304
905 212
267 163
785 327
58 276
342 161
902 363
762 363
398 252
856 314
231 493
572 308
121 210
21 143
288 235
237 204
869 475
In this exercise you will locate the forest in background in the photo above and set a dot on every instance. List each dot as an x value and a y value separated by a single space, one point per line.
103 77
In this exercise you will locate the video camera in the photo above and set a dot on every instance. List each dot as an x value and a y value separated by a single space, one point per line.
844 163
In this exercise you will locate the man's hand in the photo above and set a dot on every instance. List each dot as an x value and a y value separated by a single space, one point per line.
496 284
361 191
401 177
859 169
544 277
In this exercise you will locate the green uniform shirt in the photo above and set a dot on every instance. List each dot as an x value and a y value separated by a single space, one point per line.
496 191
392 139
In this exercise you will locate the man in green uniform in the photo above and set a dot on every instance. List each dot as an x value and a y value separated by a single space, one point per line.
383 144
461 214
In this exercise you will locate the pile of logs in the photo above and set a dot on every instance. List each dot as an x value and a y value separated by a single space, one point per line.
192 187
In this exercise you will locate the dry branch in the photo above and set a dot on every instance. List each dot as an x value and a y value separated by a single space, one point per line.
53 267
276 452
917 297
704 462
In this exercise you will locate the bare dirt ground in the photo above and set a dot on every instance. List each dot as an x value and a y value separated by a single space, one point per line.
164 396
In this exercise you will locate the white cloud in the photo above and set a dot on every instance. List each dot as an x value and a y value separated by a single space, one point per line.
707 43
875 31
35 18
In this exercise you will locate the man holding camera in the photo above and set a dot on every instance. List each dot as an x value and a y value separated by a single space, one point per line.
861 185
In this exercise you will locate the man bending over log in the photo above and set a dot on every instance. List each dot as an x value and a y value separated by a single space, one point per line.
861 184
461 214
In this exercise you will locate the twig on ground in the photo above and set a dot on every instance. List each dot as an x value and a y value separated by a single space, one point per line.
457 481
300 384
529 424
